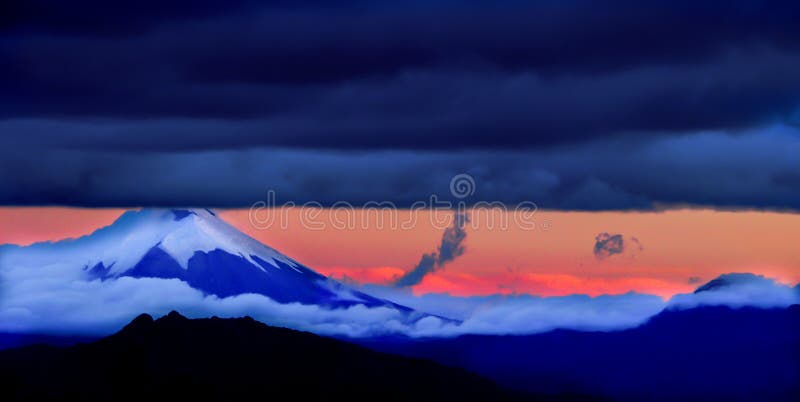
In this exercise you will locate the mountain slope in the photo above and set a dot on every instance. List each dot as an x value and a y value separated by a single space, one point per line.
228 360
730 280
705 353
195 246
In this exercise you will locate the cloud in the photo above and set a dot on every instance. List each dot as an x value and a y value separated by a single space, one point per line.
58 299
597 176
314 75
738 290
527 314
637 243
412 110
607 245
101 307
450 248
575 111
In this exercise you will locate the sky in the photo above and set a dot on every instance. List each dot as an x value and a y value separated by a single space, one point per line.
664 253
659 142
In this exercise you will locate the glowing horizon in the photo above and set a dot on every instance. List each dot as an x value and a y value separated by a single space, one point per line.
676 245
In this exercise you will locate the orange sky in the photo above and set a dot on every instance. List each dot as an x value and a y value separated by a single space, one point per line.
555 258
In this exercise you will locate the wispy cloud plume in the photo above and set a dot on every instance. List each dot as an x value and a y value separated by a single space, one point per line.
451 248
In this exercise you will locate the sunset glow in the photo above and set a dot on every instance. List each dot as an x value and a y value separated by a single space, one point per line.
559 260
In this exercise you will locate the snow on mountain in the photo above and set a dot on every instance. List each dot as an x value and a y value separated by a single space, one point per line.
195 246
738 290
156 260
732 280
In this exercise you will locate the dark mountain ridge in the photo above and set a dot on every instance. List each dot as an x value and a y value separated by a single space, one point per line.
705 353
228 360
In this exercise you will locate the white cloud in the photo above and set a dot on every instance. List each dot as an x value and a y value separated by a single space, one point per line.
525 314
48 305
55 299
740 290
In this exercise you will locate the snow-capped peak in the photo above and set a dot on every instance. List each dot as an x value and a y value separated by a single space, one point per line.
145 247
201 230
179 233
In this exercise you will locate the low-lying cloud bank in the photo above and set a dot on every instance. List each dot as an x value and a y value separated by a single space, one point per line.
739 290
57 301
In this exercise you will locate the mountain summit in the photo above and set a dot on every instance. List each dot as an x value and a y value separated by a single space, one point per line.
237 359
738 290
195 246
734 279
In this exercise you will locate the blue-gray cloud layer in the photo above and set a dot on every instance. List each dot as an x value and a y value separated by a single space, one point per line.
749 170
585 105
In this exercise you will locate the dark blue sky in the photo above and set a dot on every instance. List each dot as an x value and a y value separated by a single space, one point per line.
572 105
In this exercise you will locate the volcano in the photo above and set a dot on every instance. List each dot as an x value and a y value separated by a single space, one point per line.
194 246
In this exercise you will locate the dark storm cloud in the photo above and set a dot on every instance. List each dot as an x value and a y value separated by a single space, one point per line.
788 178
450 248
283 39
108 18
420 110
576 105
367 75
713 170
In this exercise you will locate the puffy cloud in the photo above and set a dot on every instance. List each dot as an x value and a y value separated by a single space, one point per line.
607 245
526 314
101 307
737 290
58 299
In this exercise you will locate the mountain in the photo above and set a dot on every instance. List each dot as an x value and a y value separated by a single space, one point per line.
727 281
705 353
738 290
195 246
14 340
175 358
